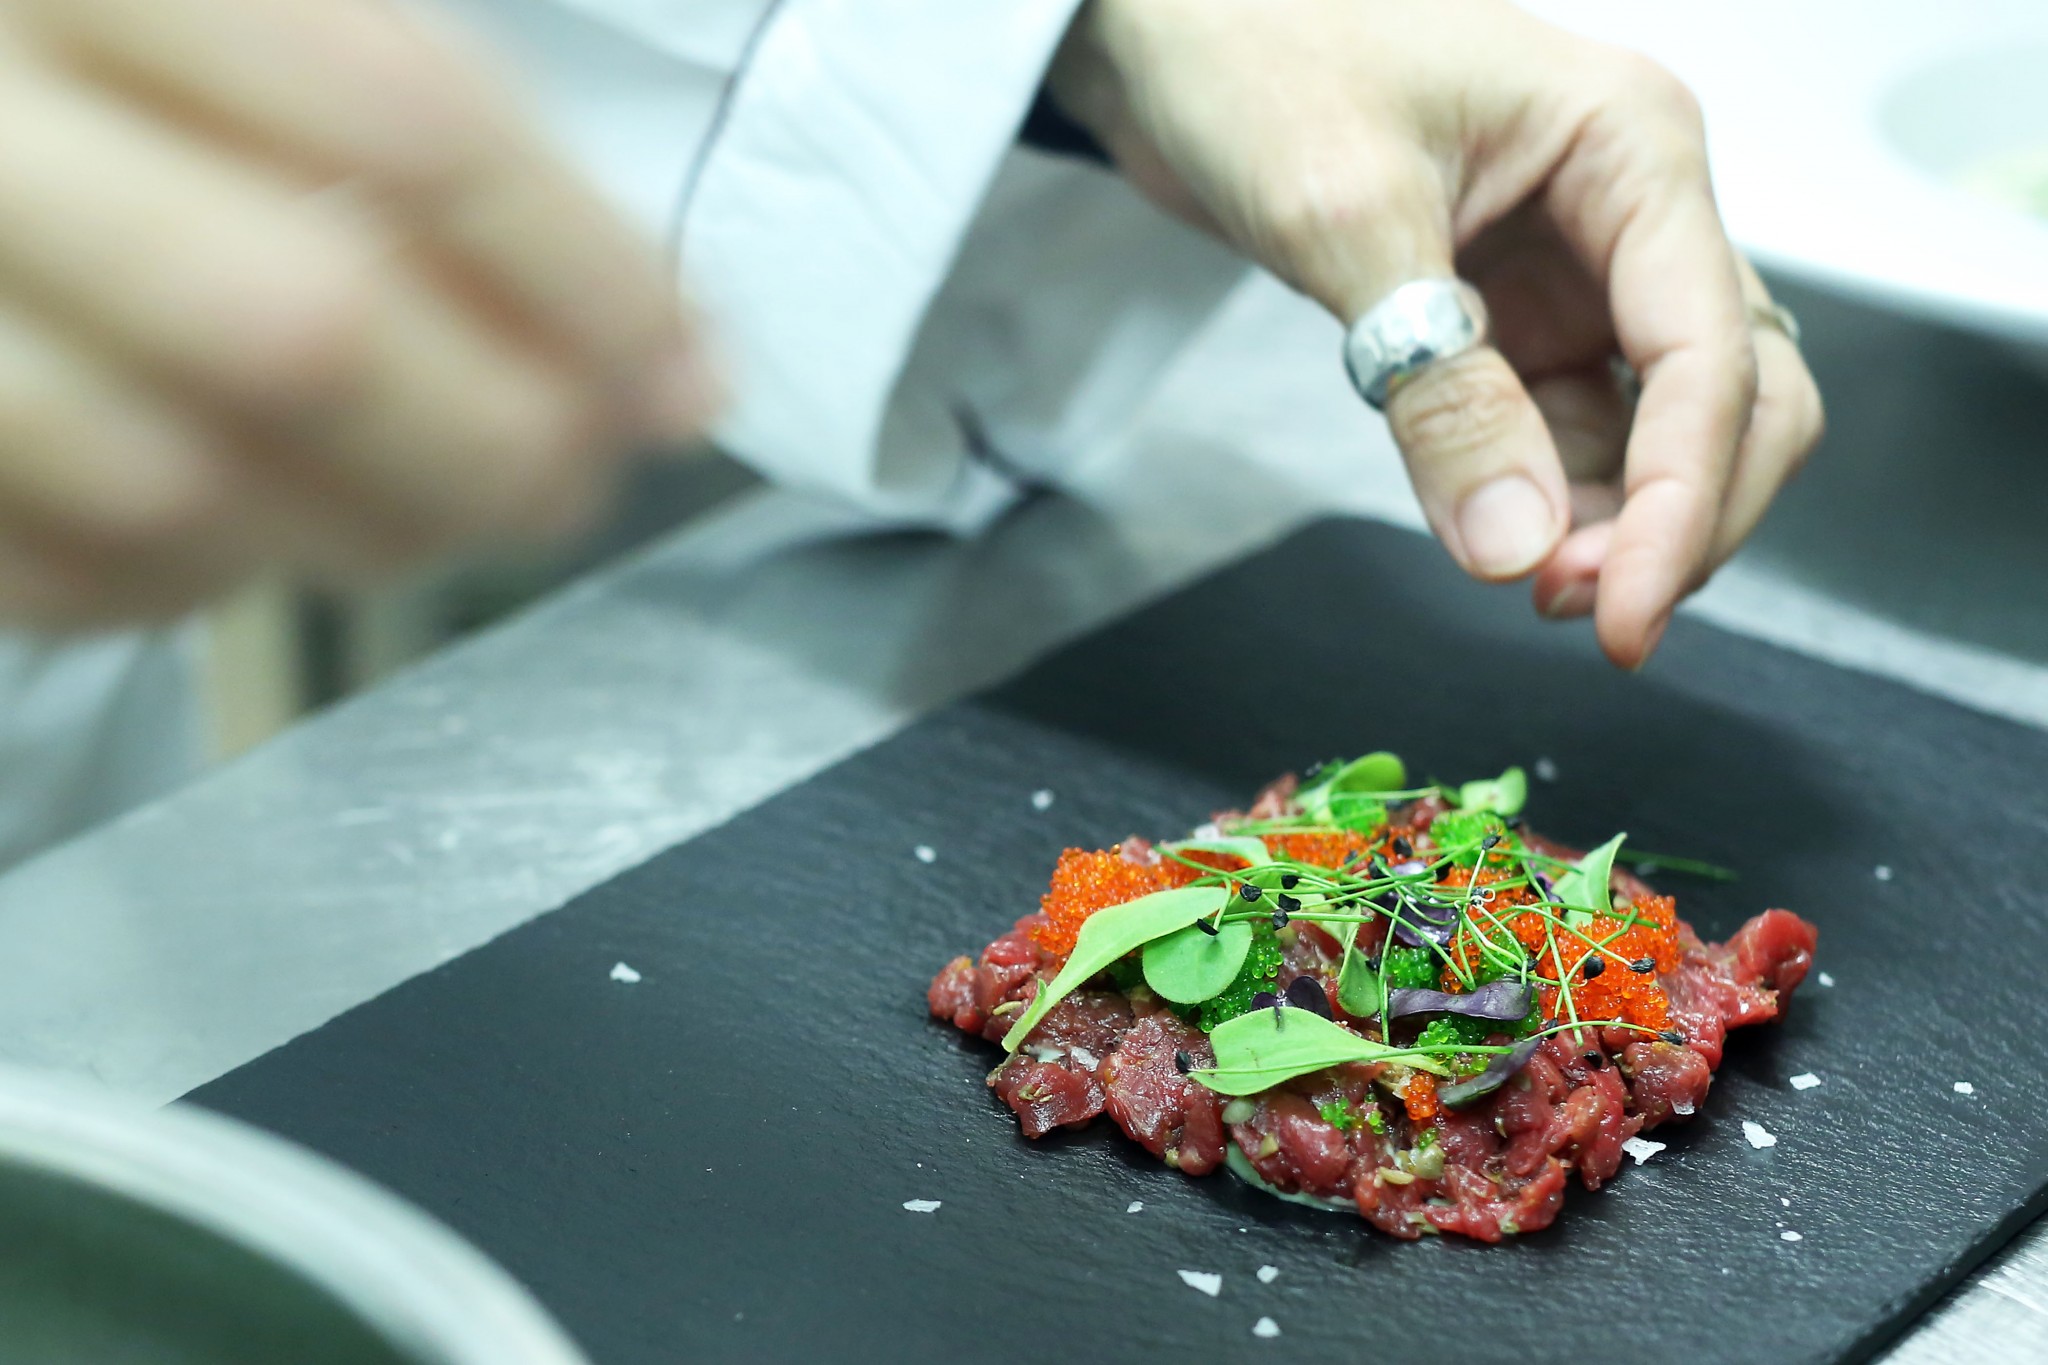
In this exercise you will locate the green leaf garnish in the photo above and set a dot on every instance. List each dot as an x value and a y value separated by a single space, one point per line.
1504 795
1258 1051
1111 932
1358 986
1189 966
1346 796
1584 888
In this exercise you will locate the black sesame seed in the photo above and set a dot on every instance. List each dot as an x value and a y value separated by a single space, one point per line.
1287 903
1595 966
1183 1063
1488 842
1597 1060
1248 891
1279 918
1672 1035
1403 849
1644 965
1290 881
1206 927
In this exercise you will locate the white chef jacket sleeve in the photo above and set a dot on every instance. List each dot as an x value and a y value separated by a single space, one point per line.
911 313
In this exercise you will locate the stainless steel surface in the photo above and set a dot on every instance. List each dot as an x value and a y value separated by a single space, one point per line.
131 1234
663 694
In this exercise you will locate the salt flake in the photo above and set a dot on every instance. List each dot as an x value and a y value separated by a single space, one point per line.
1642 1149
1042 799
1135 1206
1805 1080
1265 1327
621 972
1826 980
1965 1088
1883 873
921 1205
1268 1274
1546 771
1758 1136
1208 1282
1790 1236
926 853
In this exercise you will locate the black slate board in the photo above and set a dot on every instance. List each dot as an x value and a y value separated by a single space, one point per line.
711 1164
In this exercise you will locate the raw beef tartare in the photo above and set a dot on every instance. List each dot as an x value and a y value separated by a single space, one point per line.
1368 996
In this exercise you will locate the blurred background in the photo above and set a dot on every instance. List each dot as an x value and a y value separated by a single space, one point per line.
1887 163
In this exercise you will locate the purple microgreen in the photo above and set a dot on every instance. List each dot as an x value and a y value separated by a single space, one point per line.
1306 993
1503 1001
1498 1070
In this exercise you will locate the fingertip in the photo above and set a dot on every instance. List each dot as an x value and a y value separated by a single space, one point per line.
1483 465
1567 586
1628 637
1565 599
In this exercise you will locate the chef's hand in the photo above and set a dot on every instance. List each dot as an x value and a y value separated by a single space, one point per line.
293 282
1353 145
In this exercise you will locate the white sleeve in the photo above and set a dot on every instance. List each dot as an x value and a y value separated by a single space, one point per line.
912 314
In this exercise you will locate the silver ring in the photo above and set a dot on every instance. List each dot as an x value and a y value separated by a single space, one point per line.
1420 323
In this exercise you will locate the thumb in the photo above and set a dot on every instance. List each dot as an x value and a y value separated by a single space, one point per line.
1483 464
1477 449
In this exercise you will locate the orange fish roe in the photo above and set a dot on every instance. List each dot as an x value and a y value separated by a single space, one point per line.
1085 882
1421 1097
1616 992
1318 850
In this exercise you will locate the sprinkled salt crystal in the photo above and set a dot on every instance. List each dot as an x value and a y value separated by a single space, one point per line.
1546 771
1884 874
926 853
1268 1274
1783 1200
1790 1236
1805 1080
1642 1149
1208 1282
1042 799
1681 1107
621 972
1825 979
1085 1057
1135 1206
1265 1327
921 1205
1757 1134
1965 1088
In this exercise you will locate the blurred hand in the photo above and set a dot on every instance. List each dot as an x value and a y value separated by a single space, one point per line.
293 282
1352 145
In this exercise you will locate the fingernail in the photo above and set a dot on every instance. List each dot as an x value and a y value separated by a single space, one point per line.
1573 600
680 395
1650 642
1507 526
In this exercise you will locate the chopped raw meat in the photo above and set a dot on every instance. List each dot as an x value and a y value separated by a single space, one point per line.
1479 1138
